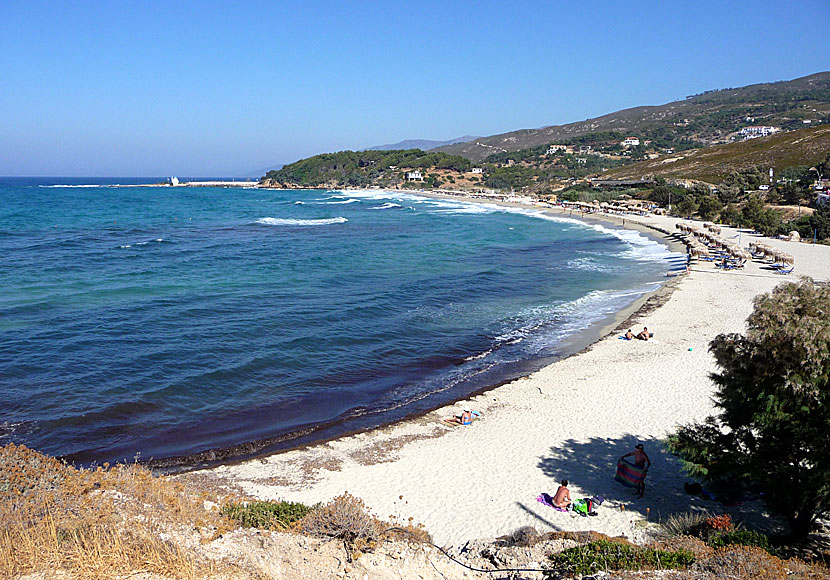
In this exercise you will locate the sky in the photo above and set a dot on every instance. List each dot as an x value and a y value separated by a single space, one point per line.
235 88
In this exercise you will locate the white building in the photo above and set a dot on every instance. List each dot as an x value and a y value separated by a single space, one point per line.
414 176
630 142
554 148
757 131
477 170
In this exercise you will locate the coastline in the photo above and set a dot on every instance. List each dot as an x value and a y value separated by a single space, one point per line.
321 434
572 419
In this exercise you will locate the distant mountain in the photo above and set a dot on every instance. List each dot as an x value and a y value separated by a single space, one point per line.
257 173
804 147
705 119
422 144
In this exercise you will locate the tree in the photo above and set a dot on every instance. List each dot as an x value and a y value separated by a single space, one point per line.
820 222
710 207
751 212
772 431
686 207
730 215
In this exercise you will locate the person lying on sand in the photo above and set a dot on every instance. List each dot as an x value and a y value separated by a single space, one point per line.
562 498
644 335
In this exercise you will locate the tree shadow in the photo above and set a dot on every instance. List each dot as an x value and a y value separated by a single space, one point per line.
590 467
535 515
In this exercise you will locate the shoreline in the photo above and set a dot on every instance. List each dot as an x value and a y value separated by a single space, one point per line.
570 419
318 434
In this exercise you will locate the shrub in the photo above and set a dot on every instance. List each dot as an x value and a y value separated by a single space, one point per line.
720 523
603 555
269 515
742 538
345 517
742 563
685 524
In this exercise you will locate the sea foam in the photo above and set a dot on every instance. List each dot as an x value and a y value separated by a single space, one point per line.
269 221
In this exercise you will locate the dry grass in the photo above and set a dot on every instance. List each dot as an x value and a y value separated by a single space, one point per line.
98 523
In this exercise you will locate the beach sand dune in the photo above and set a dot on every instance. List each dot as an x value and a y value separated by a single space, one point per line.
571 420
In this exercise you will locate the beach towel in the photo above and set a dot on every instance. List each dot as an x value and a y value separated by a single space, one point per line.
547 500
629 474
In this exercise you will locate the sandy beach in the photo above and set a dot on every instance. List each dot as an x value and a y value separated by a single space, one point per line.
571 420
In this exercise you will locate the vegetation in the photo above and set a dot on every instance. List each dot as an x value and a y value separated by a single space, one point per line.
781 151
363 168
104 522
268 515
773 396
603 555
697 121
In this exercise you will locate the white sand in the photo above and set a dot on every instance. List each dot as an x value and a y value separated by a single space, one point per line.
570 420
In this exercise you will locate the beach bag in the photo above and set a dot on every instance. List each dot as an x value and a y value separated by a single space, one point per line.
582 506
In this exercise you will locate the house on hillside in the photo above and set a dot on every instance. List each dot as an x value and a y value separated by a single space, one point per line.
414 176
477 170
630 142
754 131
554 148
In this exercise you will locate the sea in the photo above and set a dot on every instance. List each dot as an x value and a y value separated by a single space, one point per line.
187 326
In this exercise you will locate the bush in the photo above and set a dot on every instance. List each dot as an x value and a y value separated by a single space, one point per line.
685 524
742 538
269 515
743 563
344 517
604 555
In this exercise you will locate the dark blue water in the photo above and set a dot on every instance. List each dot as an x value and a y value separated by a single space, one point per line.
169 321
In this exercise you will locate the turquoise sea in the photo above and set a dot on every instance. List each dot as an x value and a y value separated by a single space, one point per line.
196 324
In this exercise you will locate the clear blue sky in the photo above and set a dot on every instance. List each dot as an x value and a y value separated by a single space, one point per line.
227 88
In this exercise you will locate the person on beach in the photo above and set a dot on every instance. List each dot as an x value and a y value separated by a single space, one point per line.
642 461
644 335
466 417
562 497
629 335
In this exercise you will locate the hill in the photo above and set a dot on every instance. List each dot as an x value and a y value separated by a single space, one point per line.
361 168
698 120
712 164
424 144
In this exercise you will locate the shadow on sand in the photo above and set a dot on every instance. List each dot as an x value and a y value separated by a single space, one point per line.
590 467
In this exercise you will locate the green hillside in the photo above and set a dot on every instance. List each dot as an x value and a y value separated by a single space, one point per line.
712 164
696 121
361 168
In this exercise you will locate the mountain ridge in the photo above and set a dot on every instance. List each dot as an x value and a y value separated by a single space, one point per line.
422 144
706 118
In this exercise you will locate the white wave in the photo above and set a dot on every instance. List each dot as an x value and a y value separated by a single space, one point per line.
53 186
345 201
157 240
269 221
125 246
299 203
388 205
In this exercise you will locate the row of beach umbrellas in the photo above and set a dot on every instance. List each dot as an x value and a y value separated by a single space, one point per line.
775 254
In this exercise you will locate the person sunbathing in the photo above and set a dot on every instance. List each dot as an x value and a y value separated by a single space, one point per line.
644 335
629 335
562 497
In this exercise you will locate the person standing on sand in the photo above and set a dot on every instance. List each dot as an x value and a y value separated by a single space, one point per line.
642 461
562 497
